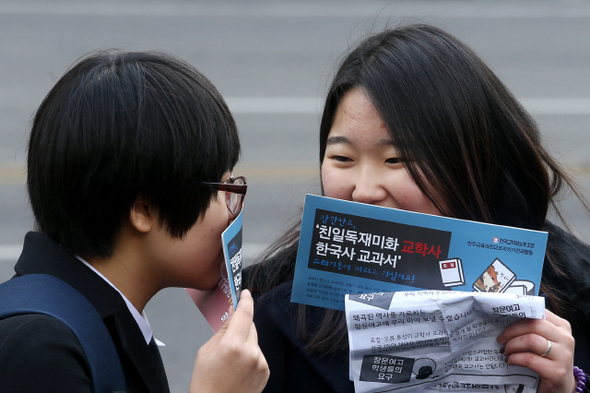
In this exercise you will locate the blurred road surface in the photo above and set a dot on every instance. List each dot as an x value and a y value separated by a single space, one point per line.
272 60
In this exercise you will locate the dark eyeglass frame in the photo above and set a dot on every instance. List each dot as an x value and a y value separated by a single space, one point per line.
229 186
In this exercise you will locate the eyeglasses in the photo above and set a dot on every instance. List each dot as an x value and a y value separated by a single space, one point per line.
235 188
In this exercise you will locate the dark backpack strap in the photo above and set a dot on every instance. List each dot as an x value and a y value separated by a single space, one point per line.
45 294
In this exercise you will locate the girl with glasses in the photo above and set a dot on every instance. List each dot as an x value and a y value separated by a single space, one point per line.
129 163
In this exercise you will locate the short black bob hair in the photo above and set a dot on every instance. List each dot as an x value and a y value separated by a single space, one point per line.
122 125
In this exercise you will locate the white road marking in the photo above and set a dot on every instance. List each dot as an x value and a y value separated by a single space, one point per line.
9 253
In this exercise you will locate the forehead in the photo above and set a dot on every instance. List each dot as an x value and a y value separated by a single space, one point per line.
357 119
355 105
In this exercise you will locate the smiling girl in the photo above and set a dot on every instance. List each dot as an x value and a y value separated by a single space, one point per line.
415 120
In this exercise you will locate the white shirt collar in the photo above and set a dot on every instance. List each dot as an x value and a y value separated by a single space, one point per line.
140 319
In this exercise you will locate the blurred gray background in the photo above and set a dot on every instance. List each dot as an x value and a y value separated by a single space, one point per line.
273 60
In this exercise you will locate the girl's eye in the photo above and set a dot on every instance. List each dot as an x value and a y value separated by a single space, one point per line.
394 160
341 158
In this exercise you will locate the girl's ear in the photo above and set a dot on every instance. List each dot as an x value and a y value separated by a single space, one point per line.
142 216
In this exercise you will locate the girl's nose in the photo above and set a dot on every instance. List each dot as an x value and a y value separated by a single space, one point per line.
368 188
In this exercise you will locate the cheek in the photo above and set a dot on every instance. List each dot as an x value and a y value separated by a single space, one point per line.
412 198
335 184
207 239
217 216
205 263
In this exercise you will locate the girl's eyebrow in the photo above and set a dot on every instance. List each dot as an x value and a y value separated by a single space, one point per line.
338 139
333 140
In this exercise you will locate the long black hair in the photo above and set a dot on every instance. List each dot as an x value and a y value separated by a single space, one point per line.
466 141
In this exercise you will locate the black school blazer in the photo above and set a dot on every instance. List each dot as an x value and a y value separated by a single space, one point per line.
40 353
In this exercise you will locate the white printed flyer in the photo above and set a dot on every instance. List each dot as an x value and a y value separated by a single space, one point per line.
214 303
349 248
436 341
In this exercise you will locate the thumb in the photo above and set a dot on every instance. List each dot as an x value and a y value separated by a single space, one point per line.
223 328
230 313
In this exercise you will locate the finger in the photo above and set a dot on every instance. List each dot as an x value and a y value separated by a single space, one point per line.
532 343
558 321
241 323
538 364
541 327
530 360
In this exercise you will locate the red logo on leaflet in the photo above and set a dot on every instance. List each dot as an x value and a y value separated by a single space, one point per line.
449 265
496 240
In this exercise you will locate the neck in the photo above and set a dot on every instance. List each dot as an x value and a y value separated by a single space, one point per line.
127 282
126 269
